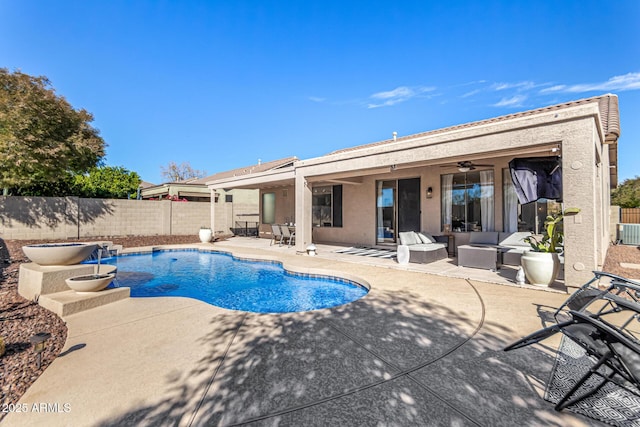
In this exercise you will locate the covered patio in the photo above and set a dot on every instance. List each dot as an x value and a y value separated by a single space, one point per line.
455 182
445 268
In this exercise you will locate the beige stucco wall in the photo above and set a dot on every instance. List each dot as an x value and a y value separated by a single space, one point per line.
359 204
614 220
285 207
243 208
575 130
71 217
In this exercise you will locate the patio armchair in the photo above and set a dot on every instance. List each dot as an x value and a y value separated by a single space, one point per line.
422 247
287 235
276 234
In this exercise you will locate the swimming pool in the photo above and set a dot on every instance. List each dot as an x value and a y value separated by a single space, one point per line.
222 280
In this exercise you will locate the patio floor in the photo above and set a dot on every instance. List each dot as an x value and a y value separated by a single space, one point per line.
419 349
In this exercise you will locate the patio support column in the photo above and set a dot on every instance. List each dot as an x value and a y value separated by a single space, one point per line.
304 226
580 190
213 211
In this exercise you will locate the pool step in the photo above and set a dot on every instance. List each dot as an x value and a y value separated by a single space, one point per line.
70 302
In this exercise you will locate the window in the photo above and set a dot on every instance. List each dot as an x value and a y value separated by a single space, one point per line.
228 198
327 206
269 208
468 201
527 217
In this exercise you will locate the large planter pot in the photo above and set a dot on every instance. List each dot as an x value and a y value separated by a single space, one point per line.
205 235
540 268
59 253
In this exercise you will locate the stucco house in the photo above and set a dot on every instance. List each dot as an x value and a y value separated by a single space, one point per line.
453 179
234 209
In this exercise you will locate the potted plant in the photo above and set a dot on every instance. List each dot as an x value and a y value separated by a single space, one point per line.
541 263
205 234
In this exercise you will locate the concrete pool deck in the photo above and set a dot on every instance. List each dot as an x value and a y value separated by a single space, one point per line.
419 349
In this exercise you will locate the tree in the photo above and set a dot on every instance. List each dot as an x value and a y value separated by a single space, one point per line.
174 172
114 182
627 194
43 139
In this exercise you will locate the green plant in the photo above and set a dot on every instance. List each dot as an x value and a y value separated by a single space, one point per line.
553 236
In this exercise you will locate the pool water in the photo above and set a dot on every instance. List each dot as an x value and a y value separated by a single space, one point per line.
224 281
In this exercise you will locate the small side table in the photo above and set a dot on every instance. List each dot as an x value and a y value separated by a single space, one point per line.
450 240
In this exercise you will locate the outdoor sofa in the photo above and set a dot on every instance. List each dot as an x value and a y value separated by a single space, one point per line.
422 247
490 249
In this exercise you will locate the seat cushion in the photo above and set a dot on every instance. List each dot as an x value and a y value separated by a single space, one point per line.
514 239
426 247
484 237
426 237
409 238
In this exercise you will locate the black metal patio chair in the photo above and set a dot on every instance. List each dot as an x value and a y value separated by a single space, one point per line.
617 356
615 347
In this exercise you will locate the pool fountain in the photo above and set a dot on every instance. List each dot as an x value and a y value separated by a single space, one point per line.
92 282
59 253
58 282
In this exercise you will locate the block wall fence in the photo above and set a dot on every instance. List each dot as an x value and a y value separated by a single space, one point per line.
26 218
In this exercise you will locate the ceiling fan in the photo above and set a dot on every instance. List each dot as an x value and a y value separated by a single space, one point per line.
466 166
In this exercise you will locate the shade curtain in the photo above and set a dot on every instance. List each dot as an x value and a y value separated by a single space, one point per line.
486 201
510 204
447 198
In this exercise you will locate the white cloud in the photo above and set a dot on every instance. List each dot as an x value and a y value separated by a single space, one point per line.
468 94
556 88
317 99
397 95
629 81
514 101
526 85
399 92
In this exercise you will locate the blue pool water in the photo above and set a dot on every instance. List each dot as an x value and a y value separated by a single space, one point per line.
224 281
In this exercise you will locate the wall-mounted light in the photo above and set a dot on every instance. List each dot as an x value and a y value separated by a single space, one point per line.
216 196
429 192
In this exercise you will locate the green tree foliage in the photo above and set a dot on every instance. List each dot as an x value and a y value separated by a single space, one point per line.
627 195
107 182
43 139
174 172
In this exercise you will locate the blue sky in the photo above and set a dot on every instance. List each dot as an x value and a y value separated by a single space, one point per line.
221 84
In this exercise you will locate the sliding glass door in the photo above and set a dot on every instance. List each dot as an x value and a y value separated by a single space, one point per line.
397 208
386 211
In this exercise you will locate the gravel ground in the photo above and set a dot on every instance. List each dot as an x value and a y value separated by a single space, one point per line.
21 318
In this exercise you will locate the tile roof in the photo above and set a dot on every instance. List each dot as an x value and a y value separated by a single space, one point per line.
609 116
246 170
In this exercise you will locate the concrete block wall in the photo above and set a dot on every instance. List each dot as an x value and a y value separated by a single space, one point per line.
25 218
38 217
188 217
124 217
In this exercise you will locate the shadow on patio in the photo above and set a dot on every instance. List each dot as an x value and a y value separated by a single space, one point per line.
390 358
